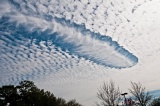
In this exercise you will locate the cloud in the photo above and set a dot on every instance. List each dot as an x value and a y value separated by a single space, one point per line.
78 44
79 40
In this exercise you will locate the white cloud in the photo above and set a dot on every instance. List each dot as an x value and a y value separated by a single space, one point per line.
70 74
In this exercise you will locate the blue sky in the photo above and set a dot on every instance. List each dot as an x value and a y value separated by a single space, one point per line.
72 47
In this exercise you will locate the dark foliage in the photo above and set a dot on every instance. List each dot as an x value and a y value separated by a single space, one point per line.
155 102
27 94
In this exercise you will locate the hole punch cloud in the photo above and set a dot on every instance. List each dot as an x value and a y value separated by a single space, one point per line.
70 47
74 38
45 41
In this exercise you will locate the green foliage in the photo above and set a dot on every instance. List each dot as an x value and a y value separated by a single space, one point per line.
27 94
155 102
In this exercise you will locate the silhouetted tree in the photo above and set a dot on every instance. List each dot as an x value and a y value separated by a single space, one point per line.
155 102
72 103
140 94
109 94
8 94
27 94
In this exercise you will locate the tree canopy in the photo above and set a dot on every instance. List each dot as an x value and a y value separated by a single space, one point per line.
27 94
155 102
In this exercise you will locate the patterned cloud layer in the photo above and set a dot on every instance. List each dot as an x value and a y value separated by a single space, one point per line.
71 46
32 43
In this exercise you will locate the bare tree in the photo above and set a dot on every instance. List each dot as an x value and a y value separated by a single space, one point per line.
109 94
140 94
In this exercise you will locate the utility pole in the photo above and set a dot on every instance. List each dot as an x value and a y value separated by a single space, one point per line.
125 100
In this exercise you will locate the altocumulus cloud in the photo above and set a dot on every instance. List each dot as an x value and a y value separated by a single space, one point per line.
70 47
35 42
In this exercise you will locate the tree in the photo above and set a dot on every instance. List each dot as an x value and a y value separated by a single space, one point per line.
8 94
27 94
73 103
155 102
109 94
140 94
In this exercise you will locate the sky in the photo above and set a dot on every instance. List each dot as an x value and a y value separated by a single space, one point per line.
71 47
